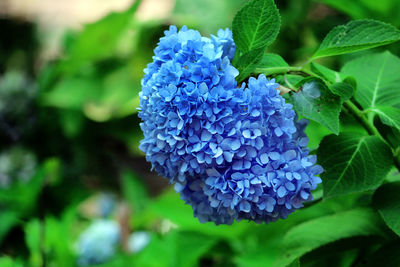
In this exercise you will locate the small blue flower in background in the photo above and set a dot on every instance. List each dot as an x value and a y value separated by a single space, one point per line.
107 203
17 165
98 243
232 152
138 241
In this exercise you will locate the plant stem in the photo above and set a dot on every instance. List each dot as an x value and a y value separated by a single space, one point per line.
276 70
284 70
359 115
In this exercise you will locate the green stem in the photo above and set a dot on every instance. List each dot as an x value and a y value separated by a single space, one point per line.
276 70
359 115
285 70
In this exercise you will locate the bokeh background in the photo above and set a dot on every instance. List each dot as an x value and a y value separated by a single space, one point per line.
70 74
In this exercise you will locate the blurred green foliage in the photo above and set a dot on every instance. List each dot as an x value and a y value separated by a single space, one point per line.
75 120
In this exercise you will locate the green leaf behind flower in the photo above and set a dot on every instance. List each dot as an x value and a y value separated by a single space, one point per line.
316 102
254 28
256 25
353 163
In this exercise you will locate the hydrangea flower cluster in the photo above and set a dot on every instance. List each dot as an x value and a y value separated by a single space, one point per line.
98 243
232 152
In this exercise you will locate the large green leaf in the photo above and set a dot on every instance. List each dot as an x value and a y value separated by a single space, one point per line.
254 28
389 115
256 25
316 102
315 233
387 200
355 36
262 253
378 79
353 163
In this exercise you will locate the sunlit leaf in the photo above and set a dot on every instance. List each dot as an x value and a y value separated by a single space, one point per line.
355 36
378 79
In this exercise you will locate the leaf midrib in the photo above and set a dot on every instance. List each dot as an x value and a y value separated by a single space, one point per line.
378 81
257 27
348 164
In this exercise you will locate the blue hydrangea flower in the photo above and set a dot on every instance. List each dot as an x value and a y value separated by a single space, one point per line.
232 152
138 241
97 244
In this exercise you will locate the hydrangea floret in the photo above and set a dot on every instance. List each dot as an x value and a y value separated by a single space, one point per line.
98 242
232 151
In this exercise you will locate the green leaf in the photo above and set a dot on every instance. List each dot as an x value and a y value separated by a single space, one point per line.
389 115
171 207
315 233
271 60
8 219
289 80
353 163
256 25
73 93
99 39
33 241
134 191
326 73
191 246
9 262
207 16
343 253
386 256
355 36
387 200
248 62
254 28
177 248
271 64
342 89
314 101
385 10
378 79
